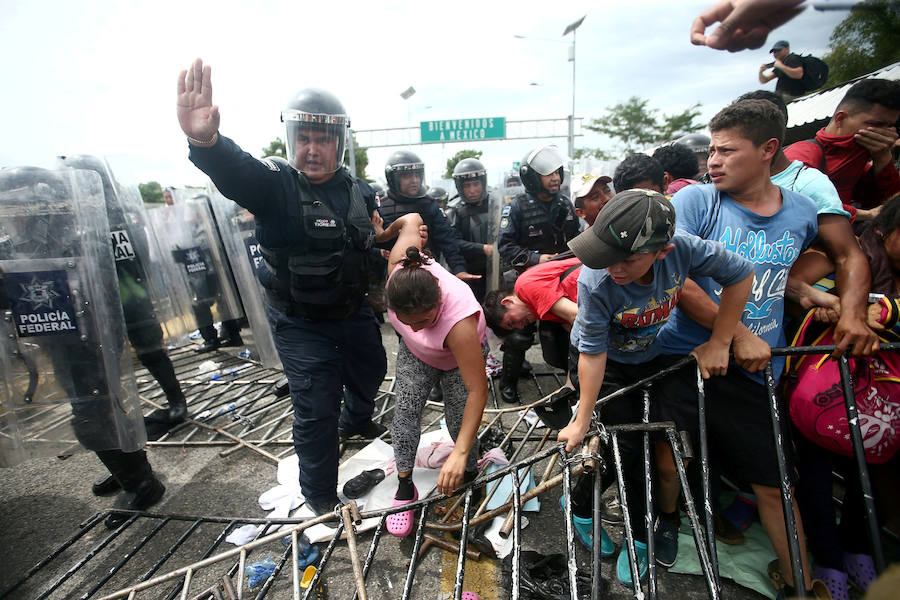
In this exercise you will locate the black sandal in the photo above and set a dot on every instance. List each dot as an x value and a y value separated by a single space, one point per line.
363 483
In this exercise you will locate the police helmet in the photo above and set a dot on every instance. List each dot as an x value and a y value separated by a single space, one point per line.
438 194
310 114
466 170
543 160
114 210
697 142
404 162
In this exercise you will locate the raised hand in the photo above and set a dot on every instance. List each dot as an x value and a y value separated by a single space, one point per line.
197 116
742 23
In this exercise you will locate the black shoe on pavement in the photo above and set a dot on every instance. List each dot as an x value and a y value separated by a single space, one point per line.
509 394
207 346
323 508
363 483
370 431
233 340
105 485
147 493
666 538
281 389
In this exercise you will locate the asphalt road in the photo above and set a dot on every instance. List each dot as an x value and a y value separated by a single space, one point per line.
44 501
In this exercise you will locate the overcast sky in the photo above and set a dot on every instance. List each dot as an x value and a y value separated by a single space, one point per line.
99 77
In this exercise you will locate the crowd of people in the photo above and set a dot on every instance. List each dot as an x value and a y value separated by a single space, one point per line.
719 247
703 249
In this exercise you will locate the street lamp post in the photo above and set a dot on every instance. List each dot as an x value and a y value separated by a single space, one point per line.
570 28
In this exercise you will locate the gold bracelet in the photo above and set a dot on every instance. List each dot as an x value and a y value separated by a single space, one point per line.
208 142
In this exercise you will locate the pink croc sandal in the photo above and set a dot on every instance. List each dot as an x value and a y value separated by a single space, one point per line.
470 596
401 524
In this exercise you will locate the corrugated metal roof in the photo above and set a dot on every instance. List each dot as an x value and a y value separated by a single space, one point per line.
821 105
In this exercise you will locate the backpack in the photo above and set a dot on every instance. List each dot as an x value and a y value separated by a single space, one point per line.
815 72
816 400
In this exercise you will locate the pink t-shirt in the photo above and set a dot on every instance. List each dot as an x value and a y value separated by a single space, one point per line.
457 303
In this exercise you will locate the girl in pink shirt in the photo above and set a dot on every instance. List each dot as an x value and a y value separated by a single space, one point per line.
442 331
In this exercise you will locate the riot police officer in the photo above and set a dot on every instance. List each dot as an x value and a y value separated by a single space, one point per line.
470 217
60 301
405 175
534 227
315 225
439 195
131 250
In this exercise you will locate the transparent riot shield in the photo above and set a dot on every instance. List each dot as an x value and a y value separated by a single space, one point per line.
237 228
65 374
493 271
193 254
153 319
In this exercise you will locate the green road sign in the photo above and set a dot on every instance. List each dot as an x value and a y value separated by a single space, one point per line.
463 130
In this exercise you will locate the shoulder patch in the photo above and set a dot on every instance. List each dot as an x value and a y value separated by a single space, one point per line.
506 210
504 222
269 163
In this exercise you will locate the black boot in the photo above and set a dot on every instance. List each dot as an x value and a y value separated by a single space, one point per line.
210 339
509 378
281 388
105 485
177 409
160 366
232 335
140 487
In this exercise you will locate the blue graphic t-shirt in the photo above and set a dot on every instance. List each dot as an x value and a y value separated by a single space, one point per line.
624 320
771 243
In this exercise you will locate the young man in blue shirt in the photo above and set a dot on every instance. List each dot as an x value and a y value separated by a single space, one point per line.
770 226
635 266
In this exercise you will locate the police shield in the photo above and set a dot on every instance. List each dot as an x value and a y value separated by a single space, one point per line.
64 373
237 228
493 270
196 261
153 319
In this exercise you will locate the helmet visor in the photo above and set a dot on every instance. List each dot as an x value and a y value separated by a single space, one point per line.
545 160
315 142
409 179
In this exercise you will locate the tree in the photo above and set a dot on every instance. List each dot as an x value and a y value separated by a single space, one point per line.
865 41
635 126
275 148
151 192
462 154
362 160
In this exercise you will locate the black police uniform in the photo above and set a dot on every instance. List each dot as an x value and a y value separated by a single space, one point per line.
530 227
441 240
472 225
316 241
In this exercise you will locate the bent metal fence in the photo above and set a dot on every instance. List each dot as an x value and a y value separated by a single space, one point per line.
220 574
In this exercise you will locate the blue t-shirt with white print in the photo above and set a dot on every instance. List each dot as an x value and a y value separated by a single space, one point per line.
771 243
624 320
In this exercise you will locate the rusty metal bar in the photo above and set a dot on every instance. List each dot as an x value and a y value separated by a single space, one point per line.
349 515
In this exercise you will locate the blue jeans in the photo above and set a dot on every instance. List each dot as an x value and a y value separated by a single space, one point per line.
326 361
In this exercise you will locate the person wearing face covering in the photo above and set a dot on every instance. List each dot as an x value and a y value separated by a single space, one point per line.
854 149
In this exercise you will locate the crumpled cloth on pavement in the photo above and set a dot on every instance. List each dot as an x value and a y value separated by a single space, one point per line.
434 455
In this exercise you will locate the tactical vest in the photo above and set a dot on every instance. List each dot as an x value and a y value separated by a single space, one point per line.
535 232
325 276
473 222
392 208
